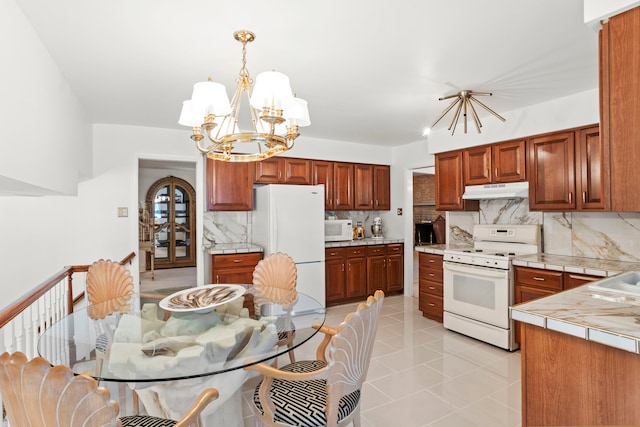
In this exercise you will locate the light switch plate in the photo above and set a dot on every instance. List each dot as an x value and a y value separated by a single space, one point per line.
123 212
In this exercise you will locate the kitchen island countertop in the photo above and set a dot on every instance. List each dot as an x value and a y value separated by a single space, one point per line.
574 264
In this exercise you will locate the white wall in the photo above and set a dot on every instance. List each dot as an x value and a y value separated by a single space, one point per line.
45 137
598 10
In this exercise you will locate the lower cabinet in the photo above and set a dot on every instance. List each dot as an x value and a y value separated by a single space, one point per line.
235 268
354 272
534 283
430 289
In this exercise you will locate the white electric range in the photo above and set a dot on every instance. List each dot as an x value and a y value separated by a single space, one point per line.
478 281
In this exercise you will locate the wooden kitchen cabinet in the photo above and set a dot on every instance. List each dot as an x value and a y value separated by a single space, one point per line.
283 170
573 280
363 186
619 55
385 268
381 187
592 171
345 274
335 277
343 174
322 173
430 291
229 186
235 268
552 172
495 163
450 184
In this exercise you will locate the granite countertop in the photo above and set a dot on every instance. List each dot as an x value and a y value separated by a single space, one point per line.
595 315
231 248
367 241
437 249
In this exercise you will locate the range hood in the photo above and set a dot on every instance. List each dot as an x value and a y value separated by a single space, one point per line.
511 190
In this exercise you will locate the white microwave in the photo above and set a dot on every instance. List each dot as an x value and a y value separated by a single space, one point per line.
336 230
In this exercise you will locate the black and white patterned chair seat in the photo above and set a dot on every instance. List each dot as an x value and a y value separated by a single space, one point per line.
102 343
302 403
282 331
146 421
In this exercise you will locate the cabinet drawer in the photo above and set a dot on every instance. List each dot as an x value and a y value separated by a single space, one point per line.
355 252
430 305
430 274
430 287
376 250
236 260
432 260
539 278
575 280
395 248
334 253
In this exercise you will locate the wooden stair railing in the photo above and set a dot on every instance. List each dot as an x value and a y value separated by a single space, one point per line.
22 322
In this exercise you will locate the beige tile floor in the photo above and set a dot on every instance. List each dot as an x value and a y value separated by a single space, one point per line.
424 375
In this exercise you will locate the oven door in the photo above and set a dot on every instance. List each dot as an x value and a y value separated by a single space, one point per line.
479 293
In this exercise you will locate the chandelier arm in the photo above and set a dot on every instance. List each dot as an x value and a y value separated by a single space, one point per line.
466 101
487 108
480 93
455 101
455 95
456 116
476 119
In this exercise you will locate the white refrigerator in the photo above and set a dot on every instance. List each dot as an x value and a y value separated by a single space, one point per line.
290 219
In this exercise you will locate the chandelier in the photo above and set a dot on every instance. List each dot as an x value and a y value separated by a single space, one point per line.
464 101
276 114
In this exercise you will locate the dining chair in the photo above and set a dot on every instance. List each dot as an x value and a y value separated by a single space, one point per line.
325 391
274 282
38 394
109 286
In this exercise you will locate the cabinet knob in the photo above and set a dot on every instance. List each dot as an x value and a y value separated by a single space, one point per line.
584 197
570 197
432 287
540 279
496 171
432 261
431 274
237 260
431 304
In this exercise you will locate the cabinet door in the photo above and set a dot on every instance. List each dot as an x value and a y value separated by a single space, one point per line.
620 86
508 161
297 171
269 171
356 277
363 186
395 273
322 173
552 176
343 185
573 280
382 187
592 171
477 165
335 279
377 274
229 186
524 294
449 184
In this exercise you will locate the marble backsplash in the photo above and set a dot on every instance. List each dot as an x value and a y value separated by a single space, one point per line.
603 235
235 227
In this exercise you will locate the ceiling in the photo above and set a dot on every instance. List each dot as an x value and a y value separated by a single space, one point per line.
372 71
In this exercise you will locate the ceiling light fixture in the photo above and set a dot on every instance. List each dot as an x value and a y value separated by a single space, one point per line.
276 114
464 100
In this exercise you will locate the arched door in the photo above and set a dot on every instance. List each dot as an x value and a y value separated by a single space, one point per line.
172 203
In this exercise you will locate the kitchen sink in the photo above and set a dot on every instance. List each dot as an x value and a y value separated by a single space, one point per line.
625 283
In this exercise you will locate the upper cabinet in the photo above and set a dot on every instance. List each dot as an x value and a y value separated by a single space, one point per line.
503 162
372 188
343 186
229 186
552 177
450 184
322 173
619 54
568 171
283 170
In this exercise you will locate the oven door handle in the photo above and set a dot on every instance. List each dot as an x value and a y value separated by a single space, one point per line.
478 271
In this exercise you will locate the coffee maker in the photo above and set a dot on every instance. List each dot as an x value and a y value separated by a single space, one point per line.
376 228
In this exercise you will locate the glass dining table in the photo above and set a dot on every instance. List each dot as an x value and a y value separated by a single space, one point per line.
170 344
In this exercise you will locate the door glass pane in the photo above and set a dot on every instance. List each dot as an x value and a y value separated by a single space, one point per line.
182 232
161 222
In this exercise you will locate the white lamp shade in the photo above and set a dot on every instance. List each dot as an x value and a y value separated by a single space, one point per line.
271 89
297 112
191 115
213 97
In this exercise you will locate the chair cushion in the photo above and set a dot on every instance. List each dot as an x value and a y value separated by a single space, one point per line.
302 403
146 421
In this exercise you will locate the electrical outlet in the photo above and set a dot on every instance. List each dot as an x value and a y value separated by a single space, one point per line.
123 212
399 211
